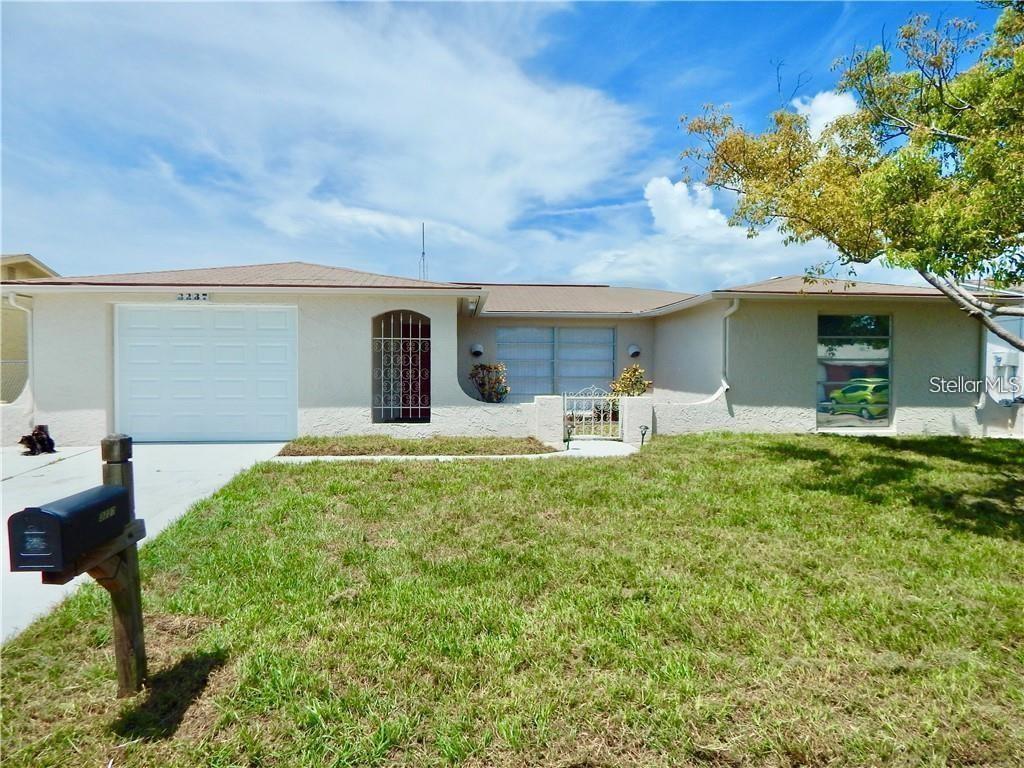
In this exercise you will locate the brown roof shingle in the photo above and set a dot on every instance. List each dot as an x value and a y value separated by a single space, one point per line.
291 274
571 299
798 284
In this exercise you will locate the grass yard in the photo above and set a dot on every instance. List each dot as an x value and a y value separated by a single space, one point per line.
379 445
715 600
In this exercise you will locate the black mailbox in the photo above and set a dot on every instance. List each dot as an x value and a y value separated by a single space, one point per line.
53 537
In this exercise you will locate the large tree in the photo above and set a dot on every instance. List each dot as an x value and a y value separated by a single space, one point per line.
927 174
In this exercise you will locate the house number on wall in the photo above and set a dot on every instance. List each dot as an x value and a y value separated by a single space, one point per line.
193 297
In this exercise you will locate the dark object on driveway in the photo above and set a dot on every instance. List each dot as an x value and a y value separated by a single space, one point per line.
38 442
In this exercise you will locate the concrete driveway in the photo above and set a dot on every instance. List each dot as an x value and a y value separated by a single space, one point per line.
169 478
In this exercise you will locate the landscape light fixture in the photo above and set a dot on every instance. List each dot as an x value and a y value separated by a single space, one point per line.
643 434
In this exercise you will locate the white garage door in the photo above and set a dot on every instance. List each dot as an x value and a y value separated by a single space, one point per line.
188 373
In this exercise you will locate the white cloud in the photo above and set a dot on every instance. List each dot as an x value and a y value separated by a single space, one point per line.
694 248
823 108
319 123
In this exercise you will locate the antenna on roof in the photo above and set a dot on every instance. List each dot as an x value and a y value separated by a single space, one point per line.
423 250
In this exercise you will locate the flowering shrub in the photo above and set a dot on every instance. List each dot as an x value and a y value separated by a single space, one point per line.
631 382
490 382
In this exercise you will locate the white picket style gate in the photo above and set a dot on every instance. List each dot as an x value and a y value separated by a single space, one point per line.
592 414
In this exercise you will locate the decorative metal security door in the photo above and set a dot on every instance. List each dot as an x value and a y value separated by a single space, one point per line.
592 413
401 367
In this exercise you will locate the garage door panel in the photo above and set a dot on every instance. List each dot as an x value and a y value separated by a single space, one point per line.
190 352
145 319
272 424
187 389
275 353
206 373
143 352
272 388
230 354
230 320
187 321
230 389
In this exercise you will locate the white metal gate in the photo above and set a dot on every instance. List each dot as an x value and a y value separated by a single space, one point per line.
592 413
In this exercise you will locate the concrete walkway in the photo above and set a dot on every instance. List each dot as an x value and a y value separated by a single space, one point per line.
169 478
578 449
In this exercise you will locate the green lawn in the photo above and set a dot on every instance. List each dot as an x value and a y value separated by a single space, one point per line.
379 445
714 600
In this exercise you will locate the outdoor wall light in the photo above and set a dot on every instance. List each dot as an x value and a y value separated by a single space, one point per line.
633 350
476 350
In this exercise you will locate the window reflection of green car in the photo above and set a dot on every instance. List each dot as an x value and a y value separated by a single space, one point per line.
868 398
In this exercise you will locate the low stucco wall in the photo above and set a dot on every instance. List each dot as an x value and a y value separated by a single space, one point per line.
773 368
636 413
483 420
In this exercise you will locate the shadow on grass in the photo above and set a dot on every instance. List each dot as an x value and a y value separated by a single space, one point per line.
991 505
170 694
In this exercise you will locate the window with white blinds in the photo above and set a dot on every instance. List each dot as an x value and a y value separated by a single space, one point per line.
550 361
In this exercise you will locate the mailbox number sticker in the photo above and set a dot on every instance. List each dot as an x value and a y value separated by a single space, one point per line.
193 296
105 514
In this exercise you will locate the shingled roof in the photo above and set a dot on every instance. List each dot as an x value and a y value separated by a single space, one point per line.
505 298
502 298
291 274
794 285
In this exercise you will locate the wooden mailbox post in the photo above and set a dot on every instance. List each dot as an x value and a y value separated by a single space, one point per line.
119 574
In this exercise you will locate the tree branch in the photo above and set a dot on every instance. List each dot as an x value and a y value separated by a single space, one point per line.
967 306
984 306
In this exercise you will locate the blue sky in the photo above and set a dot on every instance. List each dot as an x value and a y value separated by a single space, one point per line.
538 142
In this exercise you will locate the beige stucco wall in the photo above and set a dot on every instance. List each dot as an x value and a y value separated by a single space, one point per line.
481 330
74 366
773 368
688 347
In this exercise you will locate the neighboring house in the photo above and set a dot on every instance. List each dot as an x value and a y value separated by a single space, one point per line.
14 324
268 352
1004 362
1003 365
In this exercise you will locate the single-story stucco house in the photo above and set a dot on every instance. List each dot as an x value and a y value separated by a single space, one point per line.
271 351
